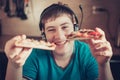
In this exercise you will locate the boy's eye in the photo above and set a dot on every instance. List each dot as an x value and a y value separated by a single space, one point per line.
49 30
64 27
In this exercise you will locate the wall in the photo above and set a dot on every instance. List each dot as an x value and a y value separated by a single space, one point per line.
31 25
108 21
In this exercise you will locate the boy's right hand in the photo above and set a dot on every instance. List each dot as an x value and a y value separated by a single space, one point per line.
16 55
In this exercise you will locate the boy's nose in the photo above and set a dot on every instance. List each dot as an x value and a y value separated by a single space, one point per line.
60 34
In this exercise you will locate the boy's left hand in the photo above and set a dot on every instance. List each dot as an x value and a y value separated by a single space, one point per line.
101 48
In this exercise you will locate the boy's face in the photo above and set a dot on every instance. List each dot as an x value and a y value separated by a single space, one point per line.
56 31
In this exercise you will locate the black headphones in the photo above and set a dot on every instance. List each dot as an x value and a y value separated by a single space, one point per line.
41 26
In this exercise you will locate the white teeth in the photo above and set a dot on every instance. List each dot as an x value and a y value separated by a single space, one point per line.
60 43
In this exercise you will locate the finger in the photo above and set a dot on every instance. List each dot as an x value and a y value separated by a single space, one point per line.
101 32
10 43
105 44
93 42
15 61
100 45
97 41
98 51
24 55
102 48
20 59
23 36
14 52
104 53
10 47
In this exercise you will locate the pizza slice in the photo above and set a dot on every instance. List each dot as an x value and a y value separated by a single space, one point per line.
31 43
84 34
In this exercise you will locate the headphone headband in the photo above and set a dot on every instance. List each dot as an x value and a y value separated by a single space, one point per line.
53 6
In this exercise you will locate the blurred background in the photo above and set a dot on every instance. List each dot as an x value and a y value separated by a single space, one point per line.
22 17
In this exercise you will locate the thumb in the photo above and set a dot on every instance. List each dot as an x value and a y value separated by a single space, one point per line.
101 32
23 36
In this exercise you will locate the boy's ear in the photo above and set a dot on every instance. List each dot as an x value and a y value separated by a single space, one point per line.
76 27
43 36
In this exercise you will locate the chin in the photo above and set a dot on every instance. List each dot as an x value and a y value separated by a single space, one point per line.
64 48
60 51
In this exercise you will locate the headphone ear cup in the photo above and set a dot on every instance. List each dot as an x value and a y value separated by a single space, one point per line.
76 27
43 36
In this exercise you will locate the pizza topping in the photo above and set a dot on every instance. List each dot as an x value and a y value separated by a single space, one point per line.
94 33
84 34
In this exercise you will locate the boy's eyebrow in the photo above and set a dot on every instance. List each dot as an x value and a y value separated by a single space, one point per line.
64 23
60 25
49 27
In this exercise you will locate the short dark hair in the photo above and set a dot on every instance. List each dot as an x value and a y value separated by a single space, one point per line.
54 11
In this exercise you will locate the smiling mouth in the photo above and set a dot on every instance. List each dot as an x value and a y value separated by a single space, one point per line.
61 43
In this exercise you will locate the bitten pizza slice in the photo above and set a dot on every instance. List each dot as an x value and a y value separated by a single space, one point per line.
31 43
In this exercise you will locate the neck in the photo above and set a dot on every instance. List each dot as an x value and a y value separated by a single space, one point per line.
62 57
65 54
63 60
